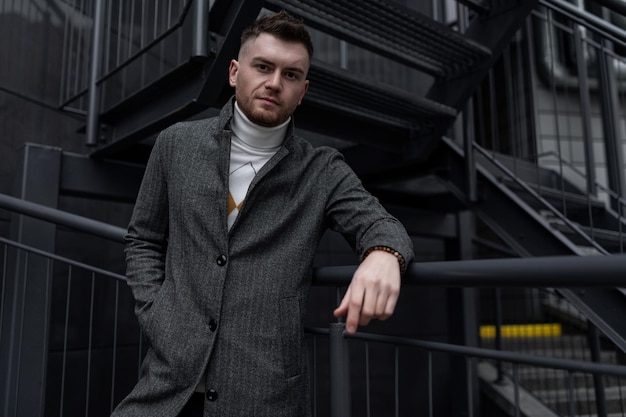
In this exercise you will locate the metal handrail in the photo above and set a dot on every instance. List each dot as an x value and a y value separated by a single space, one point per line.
573 227
579 172
555 271
62 218
485 353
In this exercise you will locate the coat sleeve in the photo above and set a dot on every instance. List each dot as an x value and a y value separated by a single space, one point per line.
147 237
358 215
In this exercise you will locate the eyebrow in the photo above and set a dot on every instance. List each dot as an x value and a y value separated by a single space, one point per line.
261 60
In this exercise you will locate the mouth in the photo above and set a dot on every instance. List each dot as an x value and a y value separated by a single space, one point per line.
269 100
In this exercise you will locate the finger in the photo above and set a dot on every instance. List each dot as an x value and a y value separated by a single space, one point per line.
342 309
355 303
370 305
390 305
381 304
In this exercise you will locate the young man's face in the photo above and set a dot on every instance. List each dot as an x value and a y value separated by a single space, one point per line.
269 78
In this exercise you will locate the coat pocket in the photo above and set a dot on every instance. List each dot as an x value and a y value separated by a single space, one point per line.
290 334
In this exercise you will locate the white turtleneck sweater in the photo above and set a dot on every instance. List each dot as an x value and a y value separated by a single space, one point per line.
251 147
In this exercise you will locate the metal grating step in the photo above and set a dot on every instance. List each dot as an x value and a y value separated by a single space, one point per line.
345 94
392 30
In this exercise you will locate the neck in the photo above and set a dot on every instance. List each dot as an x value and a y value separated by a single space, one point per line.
257 136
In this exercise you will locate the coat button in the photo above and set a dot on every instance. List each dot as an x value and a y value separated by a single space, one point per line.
221 260
211 395
212 325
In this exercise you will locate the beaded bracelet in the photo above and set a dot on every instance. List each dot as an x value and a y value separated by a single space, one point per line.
391 251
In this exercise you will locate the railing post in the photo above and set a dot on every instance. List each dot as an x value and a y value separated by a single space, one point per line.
498 325
200 45
598 381
339 372
93 110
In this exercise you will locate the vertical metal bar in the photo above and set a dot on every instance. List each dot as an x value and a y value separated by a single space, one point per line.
397 380
585 104
114 359
559 151
570 393
314 382
46 329
65 335
93 108
82 61
343 55
74 40
367 379
200 41
531 89
129 50
516 388
143 42
131 25
20 330
495 137
169 13
339 372
510 99
430 384
470 386
498 328
468 148
89 345
610 117
64 61
108 29
598 384
155 29
120 26
3 302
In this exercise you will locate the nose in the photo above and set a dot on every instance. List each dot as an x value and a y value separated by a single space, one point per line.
274 81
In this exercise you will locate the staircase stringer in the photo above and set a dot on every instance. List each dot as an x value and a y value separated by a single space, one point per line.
531 235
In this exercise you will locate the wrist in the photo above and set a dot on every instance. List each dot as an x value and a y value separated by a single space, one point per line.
398 255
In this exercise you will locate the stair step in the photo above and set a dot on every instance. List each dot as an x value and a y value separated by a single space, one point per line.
584 399
571 353
563 340
541 379
392 30
344 93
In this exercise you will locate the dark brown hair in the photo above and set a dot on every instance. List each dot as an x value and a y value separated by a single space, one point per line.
283 26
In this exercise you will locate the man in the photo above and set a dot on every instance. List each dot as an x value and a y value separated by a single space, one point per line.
222 240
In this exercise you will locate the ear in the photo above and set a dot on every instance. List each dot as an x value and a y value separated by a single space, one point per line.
232 73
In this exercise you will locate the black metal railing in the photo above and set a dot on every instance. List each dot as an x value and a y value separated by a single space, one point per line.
92 342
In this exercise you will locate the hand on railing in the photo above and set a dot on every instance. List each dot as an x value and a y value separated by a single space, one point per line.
373 291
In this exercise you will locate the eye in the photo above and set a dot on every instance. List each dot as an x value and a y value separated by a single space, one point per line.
291 75
263 67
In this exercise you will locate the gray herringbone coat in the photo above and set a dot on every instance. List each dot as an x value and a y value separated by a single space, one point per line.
232 302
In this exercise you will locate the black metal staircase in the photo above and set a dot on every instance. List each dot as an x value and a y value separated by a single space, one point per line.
339 104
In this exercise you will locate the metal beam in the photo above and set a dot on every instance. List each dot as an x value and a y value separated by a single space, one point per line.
94 178
145 115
